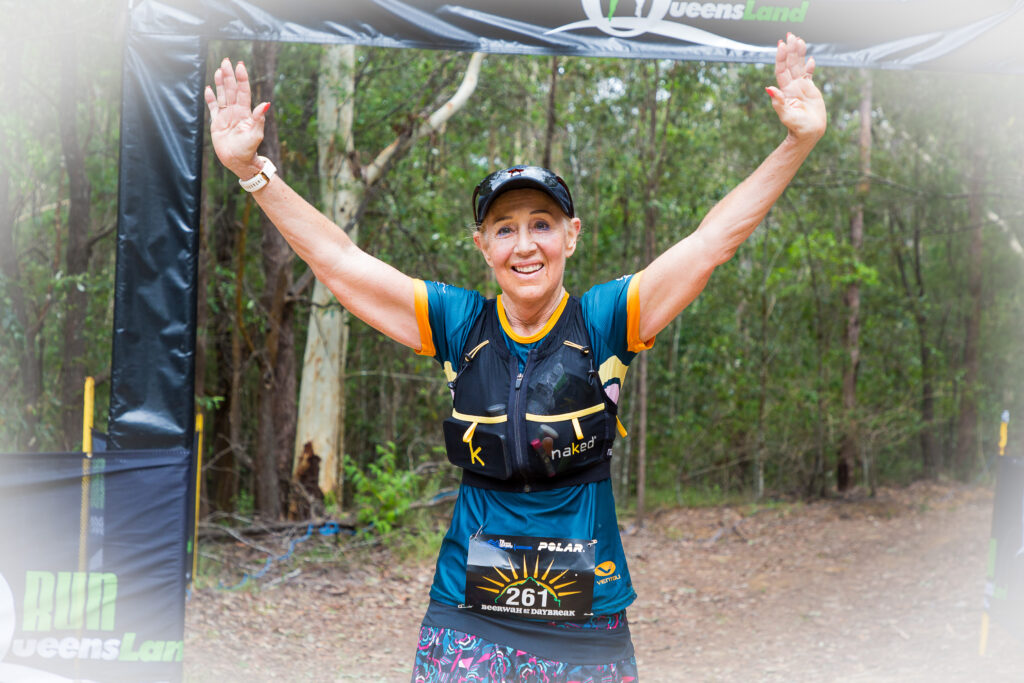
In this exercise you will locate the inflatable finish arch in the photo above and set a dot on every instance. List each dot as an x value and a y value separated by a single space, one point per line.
93 565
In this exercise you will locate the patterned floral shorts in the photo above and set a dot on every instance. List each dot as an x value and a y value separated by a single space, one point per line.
449 656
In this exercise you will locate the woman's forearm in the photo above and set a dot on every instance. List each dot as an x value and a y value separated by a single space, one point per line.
733 219
674 279
375 292
313 236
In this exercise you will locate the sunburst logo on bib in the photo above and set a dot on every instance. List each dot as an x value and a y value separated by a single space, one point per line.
523 587
530 577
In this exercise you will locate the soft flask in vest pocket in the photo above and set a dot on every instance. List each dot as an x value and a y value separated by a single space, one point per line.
562 443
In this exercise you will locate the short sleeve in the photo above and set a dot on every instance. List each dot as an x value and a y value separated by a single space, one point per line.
633 341
450 313
422 306
611 314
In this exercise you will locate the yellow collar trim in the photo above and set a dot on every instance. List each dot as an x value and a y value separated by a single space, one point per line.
537 335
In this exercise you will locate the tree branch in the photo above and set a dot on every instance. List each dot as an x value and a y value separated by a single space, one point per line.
373 172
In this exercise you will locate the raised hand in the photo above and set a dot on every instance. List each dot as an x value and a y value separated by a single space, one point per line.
235 130
797 101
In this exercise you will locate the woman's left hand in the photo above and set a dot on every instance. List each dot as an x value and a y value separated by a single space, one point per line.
797 101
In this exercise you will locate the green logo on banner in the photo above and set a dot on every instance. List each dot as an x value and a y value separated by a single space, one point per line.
79 603
672 19
69 600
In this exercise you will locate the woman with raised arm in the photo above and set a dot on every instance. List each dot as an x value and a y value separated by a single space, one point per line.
531 580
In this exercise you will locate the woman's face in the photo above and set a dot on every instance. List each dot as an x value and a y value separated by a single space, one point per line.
526 238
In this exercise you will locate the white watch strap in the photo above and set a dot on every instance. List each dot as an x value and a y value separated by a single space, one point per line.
261 178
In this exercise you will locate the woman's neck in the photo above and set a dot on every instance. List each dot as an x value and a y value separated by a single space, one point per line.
526 319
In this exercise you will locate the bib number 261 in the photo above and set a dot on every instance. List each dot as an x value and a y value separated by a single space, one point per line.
530 577
526 597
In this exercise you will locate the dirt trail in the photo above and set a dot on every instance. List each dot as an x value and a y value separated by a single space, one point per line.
887 589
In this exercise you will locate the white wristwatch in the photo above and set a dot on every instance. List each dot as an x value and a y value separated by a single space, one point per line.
260 179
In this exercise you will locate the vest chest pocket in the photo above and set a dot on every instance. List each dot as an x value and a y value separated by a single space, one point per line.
477 443
566 442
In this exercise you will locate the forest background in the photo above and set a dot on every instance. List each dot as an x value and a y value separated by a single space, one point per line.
869 332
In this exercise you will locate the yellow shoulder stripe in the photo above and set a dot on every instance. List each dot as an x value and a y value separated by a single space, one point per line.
613 368
633 341
421 304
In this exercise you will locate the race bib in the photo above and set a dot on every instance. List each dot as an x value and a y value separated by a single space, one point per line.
530 577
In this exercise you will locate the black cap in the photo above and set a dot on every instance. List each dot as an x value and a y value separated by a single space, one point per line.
518 177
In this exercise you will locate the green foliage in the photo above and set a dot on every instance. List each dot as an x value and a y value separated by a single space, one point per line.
245 502
209 403
421 537
383 492
35 369
752 371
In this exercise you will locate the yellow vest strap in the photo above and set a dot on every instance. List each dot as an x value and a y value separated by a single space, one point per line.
565 416
482 419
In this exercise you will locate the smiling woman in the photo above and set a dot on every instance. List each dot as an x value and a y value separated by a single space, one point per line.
531 581
526 240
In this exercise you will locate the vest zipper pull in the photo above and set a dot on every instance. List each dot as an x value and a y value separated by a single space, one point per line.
519 380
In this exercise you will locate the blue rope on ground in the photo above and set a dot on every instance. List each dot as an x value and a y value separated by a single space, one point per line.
326 529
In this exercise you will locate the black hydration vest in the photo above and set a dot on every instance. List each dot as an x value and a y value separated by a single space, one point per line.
549 426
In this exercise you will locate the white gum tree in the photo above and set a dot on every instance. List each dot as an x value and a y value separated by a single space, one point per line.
344 186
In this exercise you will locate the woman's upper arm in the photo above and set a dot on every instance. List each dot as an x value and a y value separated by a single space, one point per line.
672 281
375 292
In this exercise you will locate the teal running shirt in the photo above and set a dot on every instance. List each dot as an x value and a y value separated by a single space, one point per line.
445 315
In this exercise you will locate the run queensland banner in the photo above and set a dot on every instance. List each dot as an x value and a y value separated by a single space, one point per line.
961 35
92 569
1004 587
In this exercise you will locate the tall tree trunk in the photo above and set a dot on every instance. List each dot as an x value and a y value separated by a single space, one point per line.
29 370
966 452
930 457
650 191
276 392
76 260
760 446
321 418
816 485
344 191
915 292
850 446
227 453
549 135
239 354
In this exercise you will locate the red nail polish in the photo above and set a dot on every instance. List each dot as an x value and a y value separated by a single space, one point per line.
770 93
266 107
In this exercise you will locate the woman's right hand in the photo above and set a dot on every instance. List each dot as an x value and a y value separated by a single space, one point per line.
235 130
